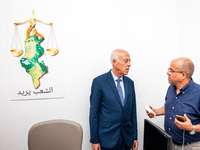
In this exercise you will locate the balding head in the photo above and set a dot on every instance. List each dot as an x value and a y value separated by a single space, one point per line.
185 65
116 55
121 62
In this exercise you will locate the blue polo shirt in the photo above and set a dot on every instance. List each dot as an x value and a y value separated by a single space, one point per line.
186 102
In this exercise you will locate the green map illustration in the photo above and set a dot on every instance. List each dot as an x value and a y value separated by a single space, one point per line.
33 50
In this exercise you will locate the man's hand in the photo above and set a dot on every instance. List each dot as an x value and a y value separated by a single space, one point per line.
187 125
150 114
96 146
135 146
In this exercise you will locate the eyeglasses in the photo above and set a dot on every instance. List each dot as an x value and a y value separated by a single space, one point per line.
172 71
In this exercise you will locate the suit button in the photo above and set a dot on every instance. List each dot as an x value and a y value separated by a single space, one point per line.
122 123
123 113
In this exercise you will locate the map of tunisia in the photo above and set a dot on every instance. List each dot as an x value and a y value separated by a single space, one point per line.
33 50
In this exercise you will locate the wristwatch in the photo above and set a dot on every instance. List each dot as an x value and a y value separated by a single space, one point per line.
193 130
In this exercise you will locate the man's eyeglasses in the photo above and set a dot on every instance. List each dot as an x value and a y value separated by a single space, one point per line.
172 71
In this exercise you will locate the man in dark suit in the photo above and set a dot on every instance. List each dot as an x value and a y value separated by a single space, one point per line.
113 118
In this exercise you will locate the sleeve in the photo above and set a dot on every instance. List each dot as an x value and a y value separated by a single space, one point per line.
95 101
166 96
134 115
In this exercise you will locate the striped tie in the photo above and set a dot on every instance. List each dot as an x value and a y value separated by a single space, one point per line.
119 88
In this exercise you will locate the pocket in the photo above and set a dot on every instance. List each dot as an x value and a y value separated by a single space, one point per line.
104 124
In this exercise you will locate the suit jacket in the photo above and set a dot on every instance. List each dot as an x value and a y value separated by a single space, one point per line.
108 119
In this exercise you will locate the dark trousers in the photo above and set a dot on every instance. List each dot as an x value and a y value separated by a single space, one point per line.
121 145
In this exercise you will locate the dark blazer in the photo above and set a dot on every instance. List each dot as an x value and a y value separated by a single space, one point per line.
108 119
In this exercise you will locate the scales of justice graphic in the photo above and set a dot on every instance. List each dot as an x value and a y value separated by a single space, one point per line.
33 49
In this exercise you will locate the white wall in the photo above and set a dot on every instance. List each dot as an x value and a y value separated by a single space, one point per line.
153 32
189 32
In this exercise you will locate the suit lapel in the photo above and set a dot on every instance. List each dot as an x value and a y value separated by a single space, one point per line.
113 86
125 89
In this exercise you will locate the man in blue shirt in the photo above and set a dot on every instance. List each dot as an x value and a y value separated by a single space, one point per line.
183 99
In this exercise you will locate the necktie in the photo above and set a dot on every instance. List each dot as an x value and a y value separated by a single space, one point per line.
119 88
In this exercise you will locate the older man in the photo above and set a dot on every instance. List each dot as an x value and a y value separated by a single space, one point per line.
182 98
113 121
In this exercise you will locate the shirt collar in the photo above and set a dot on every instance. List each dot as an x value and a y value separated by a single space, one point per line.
186 86
114 76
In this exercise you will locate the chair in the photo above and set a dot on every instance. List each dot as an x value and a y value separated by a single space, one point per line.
55 135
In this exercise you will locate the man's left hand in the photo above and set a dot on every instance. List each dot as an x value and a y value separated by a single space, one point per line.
187 125
135 146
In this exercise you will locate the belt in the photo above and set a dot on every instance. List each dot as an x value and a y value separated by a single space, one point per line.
180 143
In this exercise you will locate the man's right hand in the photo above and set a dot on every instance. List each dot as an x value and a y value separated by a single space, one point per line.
96 146
160 111
150 114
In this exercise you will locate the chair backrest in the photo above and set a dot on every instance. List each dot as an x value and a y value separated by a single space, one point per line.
55 135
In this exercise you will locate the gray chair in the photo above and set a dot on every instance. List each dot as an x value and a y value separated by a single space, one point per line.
55 135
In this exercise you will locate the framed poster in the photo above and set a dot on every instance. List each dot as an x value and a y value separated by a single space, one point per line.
35 54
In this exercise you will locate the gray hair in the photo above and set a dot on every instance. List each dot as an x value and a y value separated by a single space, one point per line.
187 66
114 55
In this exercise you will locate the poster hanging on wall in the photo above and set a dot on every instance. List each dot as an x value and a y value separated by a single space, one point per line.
35 55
